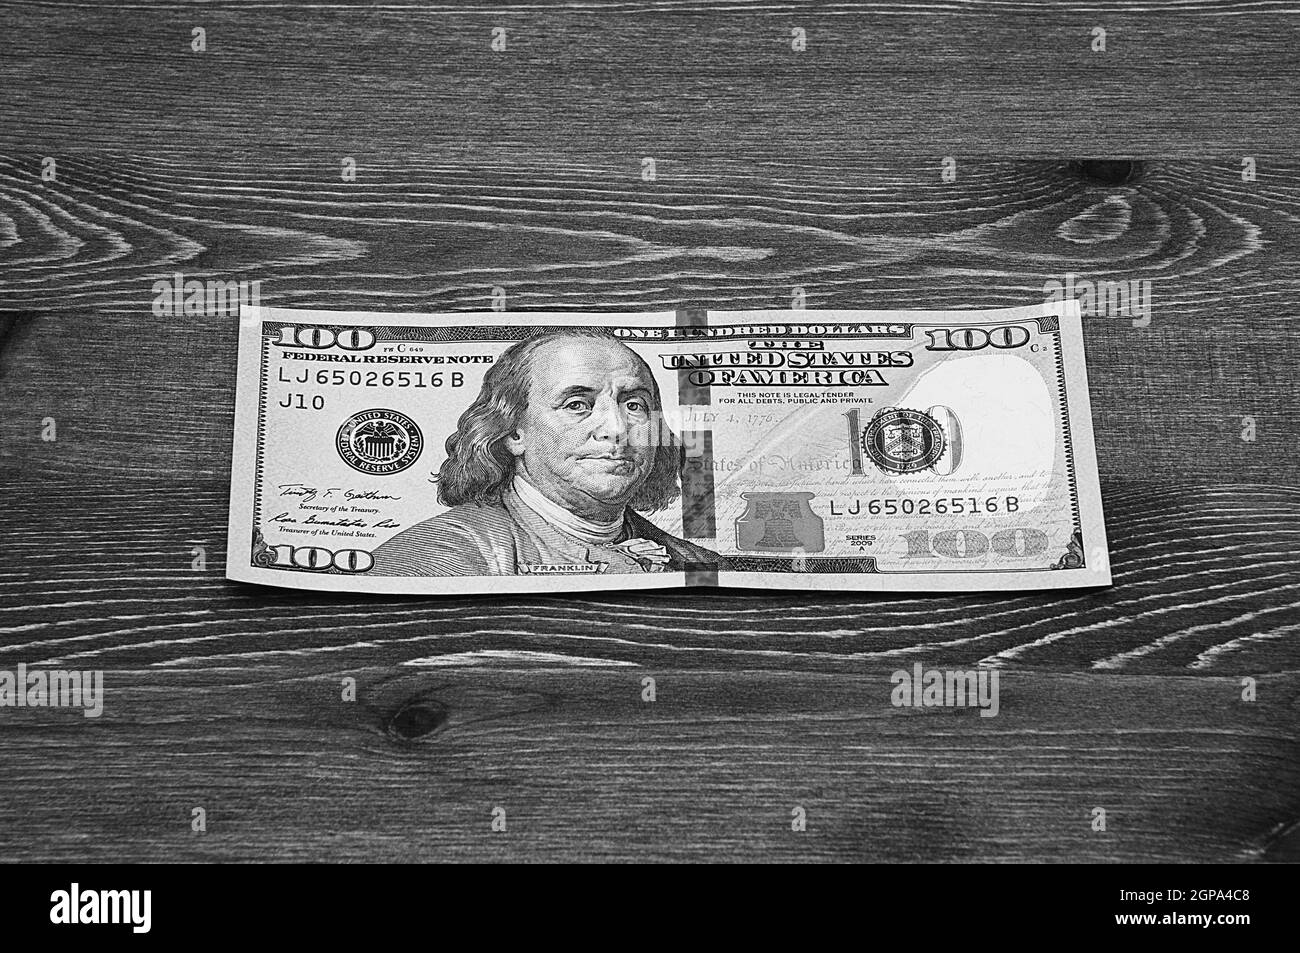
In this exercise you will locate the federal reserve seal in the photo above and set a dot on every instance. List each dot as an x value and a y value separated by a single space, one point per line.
903 441
379 441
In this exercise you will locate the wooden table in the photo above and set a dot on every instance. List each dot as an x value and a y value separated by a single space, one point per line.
522 169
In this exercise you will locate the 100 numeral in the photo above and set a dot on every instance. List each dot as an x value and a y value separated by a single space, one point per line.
1017 543
320 559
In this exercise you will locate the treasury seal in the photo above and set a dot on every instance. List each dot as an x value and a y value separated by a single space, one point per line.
379 441
903 441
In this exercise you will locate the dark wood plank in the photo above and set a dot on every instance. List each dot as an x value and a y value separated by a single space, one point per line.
673 78
711 770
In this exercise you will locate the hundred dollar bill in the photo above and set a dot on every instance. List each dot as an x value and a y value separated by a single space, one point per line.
539 452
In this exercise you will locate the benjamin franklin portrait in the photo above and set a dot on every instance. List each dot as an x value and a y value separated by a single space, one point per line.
550 469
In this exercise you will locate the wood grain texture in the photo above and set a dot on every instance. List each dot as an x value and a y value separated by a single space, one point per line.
774 170
439 236
229 697
585 770
1205 584
670 78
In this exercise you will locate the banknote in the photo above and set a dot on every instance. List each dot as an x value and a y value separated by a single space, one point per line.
543 452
